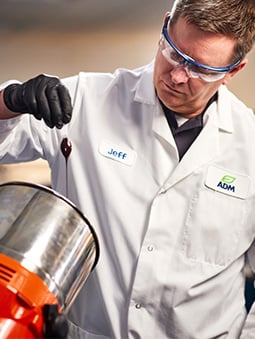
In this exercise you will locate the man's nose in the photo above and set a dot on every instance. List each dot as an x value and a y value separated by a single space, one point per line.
179 74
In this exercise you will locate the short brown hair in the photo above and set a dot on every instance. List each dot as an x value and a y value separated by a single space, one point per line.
234 18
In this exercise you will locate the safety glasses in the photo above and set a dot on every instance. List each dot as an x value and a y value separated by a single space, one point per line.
193 68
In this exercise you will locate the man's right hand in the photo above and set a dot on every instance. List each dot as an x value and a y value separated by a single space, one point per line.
44 96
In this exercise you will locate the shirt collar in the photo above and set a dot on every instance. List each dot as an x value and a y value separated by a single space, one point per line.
194 122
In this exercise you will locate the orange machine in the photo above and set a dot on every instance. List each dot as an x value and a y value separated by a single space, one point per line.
27 308
47 250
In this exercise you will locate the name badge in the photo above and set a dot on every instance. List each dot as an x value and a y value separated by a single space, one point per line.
228 182
115 152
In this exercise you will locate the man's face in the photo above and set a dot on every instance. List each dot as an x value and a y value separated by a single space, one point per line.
180 93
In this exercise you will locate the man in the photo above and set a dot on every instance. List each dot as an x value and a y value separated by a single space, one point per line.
162 166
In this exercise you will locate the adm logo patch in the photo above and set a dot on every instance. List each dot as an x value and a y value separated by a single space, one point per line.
227 183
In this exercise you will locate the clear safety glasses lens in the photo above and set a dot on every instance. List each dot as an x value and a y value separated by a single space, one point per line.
192 70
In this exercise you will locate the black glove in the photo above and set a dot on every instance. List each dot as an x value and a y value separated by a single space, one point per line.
44 97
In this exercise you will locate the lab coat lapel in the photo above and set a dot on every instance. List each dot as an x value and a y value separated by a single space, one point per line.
202 151
207 145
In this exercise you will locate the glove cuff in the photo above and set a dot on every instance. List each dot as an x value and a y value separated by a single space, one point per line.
13 98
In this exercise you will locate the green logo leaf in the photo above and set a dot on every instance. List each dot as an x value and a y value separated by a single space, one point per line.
228 179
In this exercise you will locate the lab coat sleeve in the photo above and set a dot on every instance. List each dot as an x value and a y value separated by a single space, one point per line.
24 138
7 125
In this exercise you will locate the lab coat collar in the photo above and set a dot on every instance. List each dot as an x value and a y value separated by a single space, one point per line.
217 119
145 90
224 110
145 93
203 150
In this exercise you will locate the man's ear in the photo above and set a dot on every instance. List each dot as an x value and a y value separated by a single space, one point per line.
234 71
165 17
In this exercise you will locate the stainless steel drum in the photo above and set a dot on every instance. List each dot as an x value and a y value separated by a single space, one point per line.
49 236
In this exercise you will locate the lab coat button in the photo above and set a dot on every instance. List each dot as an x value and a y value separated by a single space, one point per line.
150 248
138 306
163 190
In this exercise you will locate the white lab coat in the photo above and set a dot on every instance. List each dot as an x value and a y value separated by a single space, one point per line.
172 234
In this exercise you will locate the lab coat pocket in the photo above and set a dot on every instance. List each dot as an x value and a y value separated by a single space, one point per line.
212 229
